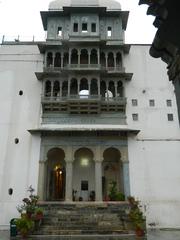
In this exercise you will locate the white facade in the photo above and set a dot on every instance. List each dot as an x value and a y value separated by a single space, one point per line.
153 153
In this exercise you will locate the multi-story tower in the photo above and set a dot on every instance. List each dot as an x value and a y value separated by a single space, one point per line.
84 141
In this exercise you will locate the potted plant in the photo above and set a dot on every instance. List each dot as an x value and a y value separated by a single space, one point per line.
136 217
114 195
38 213
24 226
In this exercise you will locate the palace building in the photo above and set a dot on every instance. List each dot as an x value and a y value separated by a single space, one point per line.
84 109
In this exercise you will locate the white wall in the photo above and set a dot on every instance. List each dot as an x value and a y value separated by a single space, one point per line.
154 153
18 162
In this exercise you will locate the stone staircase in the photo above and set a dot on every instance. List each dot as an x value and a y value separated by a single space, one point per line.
85 221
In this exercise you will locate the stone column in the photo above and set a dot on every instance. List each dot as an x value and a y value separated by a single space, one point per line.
60 94
115 62
69 56
98 174
69 84
99 87
98 180
98 56
53 55
89 57
41 180
89 86
126 178
79 57
115 85
52 88
69 173
78 86
106 56
62 59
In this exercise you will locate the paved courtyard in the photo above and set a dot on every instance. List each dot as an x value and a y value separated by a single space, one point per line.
152 235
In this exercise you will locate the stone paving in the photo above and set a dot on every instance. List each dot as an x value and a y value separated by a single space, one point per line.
152 235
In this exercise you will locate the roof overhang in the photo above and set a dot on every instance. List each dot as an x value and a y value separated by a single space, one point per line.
83 128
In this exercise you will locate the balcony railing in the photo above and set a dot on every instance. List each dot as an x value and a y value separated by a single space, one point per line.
84 67
82 98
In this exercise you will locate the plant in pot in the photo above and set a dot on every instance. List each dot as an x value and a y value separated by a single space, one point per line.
38 213
114 195
136 217
24 226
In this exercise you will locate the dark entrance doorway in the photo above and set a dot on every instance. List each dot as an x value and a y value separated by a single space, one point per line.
56 175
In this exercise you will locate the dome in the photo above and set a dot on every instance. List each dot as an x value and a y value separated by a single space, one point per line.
59 4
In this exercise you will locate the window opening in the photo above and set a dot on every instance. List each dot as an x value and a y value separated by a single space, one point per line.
84 27
59 31
75 27
109 32
151 103
134 102
135 117
93 27
169 103
170 117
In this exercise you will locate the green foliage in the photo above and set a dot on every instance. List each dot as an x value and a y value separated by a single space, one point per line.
29 204
39 210
29 211
24 225
136 215
114 195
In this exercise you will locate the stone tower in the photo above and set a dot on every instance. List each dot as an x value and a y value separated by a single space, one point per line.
84 131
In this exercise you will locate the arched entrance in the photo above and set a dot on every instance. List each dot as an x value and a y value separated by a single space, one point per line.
56 175
83 175
112 171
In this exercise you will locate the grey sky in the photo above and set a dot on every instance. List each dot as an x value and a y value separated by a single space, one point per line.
21 17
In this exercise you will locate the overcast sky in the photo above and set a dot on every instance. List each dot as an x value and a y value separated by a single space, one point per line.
22 17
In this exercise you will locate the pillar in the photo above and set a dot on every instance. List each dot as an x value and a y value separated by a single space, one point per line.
89 57
69 85
41 180
106 56
115 62
98 180
98 174
53 55
116 93
62 59
69 56
69 173
52 89
126 177
79 57
98 56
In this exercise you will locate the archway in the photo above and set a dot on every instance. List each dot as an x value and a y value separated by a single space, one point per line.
83 175
56 175
112 171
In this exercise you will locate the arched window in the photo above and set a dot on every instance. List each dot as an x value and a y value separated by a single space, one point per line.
103 59
110 60
65 88
111 90
120 89
94 57
74 87
66 59
57 60
94 87
49 59
56 89
84 56
48 88
84 91
103 88
119 60
74 56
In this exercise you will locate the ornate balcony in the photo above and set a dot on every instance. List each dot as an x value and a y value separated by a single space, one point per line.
83 104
